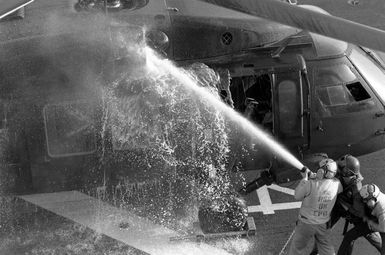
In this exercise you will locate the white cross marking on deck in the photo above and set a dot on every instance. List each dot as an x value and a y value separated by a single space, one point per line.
266 205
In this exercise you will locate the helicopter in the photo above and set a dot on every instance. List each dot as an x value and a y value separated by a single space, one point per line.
312 89
325 91
309 91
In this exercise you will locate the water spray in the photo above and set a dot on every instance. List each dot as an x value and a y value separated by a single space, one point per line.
155 64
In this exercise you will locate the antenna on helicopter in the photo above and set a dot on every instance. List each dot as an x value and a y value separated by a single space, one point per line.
10 6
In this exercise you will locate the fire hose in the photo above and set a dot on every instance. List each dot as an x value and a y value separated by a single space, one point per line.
269 177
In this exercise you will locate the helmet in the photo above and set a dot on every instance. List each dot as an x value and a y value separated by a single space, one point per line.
349 166
327 169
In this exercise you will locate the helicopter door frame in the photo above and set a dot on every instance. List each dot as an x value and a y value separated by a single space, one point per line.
290 97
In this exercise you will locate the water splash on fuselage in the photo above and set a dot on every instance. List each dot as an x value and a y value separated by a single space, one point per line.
155 64
171 118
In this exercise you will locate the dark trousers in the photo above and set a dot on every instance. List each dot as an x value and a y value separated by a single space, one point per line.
359 230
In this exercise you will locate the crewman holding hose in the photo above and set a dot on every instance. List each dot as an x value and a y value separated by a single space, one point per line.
349 204
318 194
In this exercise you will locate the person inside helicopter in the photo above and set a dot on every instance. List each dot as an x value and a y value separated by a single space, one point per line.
251 96
252 110
258 89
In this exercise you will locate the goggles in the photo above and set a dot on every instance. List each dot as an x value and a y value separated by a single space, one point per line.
347 173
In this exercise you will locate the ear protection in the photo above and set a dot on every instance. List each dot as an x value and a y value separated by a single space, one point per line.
328 169
320 173
372 199
371 189
369 194
329 174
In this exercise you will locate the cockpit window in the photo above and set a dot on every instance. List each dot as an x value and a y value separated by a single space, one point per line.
337 74
339 90
334 95
357 91
343 95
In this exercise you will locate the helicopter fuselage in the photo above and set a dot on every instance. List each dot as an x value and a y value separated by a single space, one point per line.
334 106
318 94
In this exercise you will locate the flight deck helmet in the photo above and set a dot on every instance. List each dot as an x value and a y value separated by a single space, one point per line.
327 169
349 166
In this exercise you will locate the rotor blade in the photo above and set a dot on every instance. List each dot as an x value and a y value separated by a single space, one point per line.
310 20
9 6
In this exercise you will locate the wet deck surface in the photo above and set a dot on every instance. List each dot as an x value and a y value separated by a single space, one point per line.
37 231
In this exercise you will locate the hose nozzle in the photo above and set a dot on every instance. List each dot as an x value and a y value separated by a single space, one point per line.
310 174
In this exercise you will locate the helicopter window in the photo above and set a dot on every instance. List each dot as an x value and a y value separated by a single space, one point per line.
342 94
289 109
342 99
335 95
69 129
339 90
357 91
336 74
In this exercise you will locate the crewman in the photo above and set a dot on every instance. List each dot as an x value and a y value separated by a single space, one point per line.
349 203
251 110
318 197
373 225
